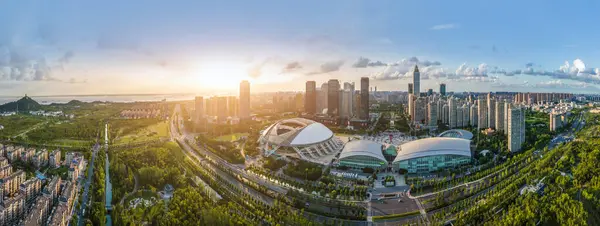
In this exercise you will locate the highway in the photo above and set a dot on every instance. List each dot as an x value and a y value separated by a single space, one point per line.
203 163
177 125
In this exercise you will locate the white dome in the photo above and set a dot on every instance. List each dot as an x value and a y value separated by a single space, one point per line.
297 132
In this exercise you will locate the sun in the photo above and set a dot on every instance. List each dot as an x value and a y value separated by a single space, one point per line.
221 75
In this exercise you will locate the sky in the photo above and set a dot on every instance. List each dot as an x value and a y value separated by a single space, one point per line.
122 47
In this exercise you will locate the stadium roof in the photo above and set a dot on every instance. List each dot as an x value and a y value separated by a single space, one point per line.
297 132
457 133
434 146
364 148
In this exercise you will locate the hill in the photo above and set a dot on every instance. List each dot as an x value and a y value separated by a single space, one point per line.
23 104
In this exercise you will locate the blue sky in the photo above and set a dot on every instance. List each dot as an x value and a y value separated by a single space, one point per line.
76 47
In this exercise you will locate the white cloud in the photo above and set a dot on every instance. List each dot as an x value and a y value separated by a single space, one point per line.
444 26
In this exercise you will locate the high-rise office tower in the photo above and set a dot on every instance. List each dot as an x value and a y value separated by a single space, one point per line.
323 98
429 92
417 81
347 100
473 115
198 108
432 114
364 98
244 99
333 96
411 88
516 128
452 112
500 115
491 111
482 112
232 106
443 89
310 98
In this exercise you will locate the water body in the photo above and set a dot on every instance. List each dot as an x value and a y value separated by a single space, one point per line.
110 98
108 185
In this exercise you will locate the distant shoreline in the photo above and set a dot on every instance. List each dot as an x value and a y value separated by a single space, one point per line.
97 95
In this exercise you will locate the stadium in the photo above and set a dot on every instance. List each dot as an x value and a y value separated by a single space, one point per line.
457 133
300 138
359 154
433 154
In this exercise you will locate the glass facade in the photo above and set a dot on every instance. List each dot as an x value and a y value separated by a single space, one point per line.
361 161
432 163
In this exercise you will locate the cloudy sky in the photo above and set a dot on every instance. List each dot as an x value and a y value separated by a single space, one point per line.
151 46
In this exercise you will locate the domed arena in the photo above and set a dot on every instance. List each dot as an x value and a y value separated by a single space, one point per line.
300 138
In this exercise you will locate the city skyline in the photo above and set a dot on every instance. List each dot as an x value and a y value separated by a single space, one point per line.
82 51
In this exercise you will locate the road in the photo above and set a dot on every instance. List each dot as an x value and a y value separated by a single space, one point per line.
177 127
86 189
203 163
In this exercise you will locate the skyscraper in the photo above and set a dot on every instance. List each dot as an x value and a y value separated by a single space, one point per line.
421 109
417 81
411 88
244 99
466 115
516 128
347 100
411 106
482 112
221 109
333 96
506 109
232 106
500 115
473 115
452 121
429 92
491 111
432 114
459 117
364 98
198 108
443 89
445 114
310 99
323 98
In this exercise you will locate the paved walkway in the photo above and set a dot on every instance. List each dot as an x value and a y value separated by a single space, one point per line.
135 188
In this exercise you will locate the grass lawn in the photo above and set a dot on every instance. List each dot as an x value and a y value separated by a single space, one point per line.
151 132
16 124
71 142
231 137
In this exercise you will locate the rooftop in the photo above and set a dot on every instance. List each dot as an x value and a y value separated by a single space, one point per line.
362 147
434 146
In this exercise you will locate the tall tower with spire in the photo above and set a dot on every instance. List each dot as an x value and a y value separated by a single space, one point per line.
416 81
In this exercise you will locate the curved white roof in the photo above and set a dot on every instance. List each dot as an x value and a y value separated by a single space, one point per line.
362 147
296 132
311 134
434 146
457 133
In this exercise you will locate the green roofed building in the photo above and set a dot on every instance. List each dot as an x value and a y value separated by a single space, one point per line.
359 154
